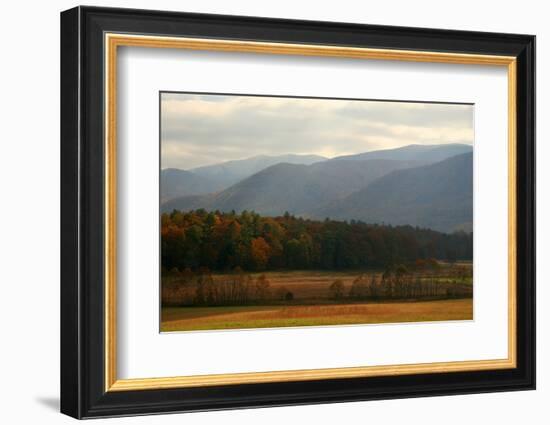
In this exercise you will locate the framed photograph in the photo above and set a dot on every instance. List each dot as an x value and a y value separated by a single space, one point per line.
261 212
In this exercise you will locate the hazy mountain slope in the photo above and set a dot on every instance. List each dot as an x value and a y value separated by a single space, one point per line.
422 192
438 196
296 188
231 172
176 183
213 178
428 153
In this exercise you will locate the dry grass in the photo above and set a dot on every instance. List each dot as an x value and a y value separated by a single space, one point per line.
243 317
307 286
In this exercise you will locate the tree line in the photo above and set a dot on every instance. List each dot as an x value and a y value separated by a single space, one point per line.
223 241
201 288
400 283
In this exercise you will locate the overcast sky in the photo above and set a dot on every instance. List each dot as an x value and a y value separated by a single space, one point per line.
201 130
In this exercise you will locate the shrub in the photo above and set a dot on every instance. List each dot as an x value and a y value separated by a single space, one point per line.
336 289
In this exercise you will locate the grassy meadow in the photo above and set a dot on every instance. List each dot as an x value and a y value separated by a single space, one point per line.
247 317
313 301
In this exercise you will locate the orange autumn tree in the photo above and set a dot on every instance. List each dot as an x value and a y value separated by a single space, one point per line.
259 253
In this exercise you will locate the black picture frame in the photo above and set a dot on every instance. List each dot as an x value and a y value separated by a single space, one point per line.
82 212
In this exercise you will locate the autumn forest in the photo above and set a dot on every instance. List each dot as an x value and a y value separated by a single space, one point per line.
223 241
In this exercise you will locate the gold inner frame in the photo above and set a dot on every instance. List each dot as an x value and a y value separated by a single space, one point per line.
113 41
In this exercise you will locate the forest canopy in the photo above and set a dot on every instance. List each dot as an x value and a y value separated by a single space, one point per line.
224 241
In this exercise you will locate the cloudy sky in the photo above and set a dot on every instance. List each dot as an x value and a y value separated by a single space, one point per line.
201 130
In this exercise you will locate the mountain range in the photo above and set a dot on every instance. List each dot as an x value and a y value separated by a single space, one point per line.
426 186
175 183
429 153
437 196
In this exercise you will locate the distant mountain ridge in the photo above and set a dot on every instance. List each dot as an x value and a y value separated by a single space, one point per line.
212 178
233 171
437 196
428 153
296 188
427 186
175 183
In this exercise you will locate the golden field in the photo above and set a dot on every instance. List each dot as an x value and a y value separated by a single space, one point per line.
247 317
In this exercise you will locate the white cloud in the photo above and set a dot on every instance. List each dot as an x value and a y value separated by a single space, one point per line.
205 129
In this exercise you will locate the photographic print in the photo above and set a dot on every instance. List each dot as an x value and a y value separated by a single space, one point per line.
290 211
322 199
